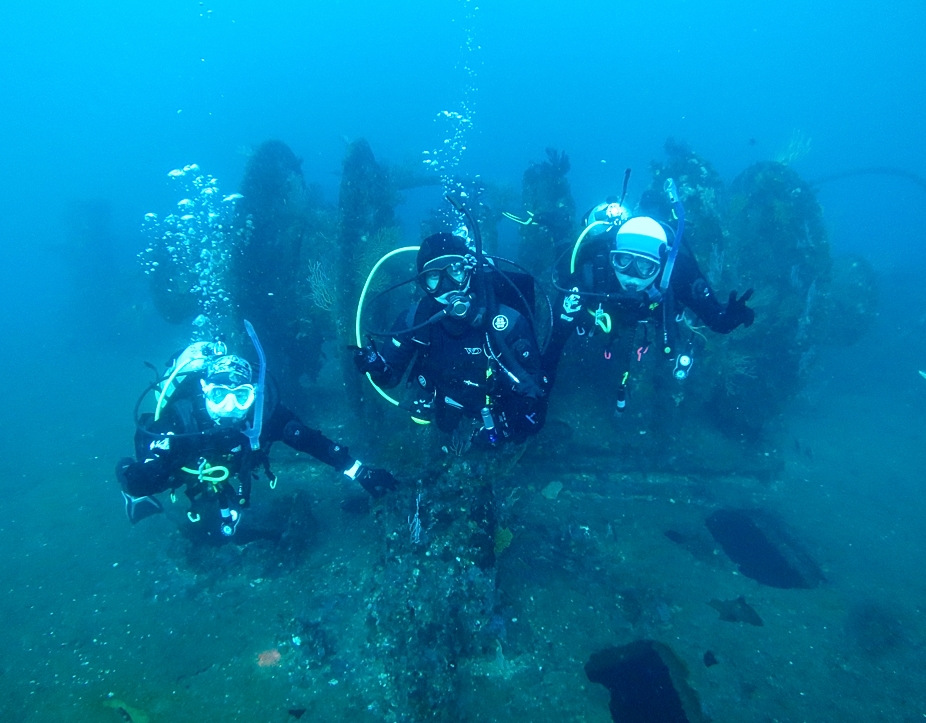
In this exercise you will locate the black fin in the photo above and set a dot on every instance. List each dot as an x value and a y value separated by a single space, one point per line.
138 508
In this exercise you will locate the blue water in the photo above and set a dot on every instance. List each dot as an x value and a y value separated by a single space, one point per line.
100 100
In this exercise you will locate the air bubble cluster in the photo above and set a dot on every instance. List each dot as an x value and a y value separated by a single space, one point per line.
456 124
189 251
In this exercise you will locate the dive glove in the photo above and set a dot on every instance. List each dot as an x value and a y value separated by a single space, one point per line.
376 481
136 491
368 360
528 388
736 313
133 478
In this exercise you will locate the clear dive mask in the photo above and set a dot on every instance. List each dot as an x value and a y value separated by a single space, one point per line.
638 266
228 402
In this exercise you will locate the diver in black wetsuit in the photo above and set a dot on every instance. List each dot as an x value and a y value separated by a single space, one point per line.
634 282
211 432
472 360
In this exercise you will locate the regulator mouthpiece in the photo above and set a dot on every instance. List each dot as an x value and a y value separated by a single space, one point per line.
458 304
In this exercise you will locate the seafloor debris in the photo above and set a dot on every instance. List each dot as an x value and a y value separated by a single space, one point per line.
762 548
647 682
736 611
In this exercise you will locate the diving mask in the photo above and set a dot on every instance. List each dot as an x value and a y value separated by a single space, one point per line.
227 402
636 265
455 269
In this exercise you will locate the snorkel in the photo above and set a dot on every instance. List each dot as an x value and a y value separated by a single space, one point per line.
679 209
252 431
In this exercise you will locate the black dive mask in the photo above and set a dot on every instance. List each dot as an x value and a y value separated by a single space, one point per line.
445 274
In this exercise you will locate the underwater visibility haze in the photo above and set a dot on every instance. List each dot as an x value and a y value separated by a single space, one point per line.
720 517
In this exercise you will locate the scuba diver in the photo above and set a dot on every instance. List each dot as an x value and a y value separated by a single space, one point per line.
468 356
211 432
636 282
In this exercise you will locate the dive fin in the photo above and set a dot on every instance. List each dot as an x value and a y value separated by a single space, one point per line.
138 508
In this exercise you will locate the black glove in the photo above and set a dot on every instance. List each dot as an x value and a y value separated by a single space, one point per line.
376 481
367 359
735 313
132 478
529 388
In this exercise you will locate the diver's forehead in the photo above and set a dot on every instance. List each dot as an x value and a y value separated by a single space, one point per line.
440 262
638 254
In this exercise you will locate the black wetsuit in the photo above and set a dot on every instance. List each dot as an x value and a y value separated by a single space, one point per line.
179 448
459 369
637 318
